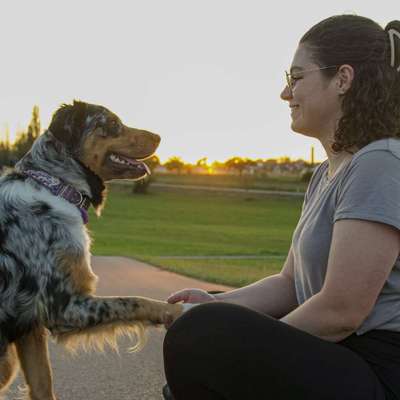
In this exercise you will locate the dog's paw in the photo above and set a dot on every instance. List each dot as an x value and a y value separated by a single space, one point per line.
173 312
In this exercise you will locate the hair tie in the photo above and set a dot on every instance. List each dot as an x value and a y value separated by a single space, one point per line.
392 33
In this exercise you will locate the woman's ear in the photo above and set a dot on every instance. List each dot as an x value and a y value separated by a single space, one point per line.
345 76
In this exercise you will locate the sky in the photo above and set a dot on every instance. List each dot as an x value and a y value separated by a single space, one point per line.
204 74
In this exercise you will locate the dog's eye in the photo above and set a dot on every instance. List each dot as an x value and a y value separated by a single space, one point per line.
113 126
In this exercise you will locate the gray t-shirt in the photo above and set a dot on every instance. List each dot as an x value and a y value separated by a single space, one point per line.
367 188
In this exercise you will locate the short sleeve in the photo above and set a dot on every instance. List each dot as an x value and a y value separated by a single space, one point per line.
370 189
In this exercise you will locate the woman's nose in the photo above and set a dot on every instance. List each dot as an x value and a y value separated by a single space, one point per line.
286 93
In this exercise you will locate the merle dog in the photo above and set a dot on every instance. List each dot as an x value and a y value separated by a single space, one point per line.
46 282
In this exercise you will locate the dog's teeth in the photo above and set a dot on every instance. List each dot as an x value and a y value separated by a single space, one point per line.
116 159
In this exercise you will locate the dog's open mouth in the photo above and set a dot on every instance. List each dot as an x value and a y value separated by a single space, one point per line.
123 162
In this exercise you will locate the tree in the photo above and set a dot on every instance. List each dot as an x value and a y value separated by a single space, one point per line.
5 150
237 164
25 139
174 164
20 146
284 160
34 126
202 164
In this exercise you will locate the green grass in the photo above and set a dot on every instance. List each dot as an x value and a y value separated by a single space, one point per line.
197 224
229 272
287 183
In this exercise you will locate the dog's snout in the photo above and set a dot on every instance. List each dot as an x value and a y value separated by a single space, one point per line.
156 138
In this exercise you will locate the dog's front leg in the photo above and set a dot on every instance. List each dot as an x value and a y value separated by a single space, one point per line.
89 311
33 355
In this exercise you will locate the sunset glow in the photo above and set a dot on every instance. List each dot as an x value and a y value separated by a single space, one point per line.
204 75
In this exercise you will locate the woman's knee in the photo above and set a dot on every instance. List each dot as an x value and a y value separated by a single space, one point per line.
193 323
196 327
211 325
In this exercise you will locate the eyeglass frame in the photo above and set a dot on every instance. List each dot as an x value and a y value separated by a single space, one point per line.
289 76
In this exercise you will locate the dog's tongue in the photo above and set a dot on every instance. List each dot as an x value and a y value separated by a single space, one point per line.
136 163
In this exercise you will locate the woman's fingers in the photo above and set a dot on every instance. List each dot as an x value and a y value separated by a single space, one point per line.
181 295
191 296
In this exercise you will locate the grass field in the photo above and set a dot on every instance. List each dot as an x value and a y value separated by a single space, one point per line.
292 184
161 228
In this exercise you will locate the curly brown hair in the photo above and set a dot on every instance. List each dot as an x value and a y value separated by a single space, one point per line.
371 107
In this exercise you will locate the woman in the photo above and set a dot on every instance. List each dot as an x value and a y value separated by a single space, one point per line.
327 326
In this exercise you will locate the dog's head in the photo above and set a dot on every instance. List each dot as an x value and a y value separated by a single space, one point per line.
98 139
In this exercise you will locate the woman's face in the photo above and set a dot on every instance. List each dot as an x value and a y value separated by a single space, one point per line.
313 100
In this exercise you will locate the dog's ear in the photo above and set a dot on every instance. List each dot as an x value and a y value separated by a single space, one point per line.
68 124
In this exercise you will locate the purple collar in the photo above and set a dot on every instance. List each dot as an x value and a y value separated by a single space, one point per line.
57 187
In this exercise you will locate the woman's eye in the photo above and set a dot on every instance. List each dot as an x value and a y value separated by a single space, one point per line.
295 79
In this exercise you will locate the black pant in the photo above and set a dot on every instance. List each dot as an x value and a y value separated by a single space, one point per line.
220 351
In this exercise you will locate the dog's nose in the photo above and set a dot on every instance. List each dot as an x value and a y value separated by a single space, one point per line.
156 138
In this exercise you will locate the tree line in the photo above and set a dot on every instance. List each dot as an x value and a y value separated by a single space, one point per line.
11 153
237 165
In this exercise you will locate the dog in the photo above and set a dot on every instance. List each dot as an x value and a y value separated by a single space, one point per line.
47 285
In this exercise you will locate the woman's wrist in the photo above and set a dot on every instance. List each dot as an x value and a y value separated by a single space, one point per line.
217 296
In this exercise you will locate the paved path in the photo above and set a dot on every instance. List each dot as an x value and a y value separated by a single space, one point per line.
109 376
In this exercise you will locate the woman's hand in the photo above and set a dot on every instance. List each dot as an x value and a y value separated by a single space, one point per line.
191 296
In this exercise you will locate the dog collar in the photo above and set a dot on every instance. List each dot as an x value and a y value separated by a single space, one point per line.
59 188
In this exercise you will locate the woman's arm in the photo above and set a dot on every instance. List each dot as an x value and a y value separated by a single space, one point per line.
274 295
361 257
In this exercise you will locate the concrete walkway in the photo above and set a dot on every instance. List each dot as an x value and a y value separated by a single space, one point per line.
141 279
123 376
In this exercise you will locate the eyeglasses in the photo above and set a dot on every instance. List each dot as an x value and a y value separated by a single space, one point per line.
290 79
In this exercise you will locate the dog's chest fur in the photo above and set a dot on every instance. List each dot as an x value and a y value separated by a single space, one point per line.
44 255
